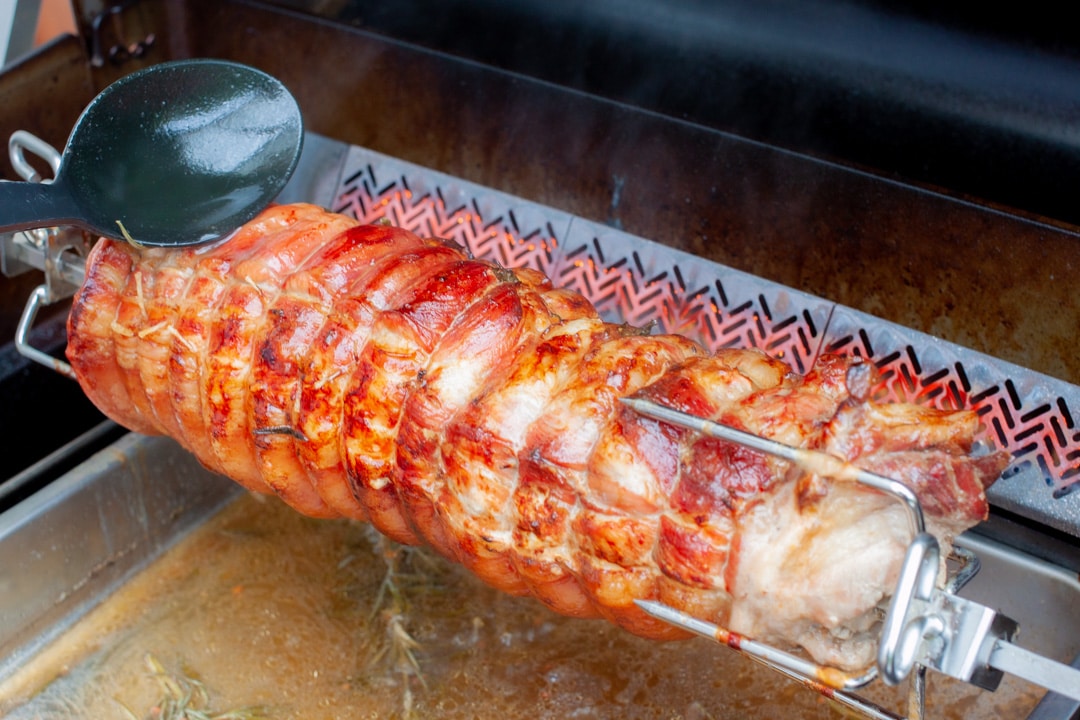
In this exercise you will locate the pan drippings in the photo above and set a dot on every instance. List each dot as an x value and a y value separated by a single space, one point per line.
300 618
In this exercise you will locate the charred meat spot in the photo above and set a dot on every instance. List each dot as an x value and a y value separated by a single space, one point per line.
737 474
267 354
231 330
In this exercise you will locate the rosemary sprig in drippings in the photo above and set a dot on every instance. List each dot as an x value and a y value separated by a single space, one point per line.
185 698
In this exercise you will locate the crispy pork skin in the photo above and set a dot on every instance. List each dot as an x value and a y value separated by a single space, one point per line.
364 372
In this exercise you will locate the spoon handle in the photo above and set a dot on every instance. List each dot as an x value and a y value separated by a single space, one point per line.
27 205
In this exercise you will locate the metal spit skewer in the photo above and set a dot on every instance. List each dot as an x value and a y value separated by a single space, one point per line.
925 627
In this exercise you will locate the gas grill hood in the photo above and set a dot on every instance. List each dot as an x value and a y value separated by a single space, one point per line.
981 104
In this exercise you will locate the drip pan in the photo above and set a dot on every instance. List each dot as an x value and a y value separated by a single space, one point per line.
292 616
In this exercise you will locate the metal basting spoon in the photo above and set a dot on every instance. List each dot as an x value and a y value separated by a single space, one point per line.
179 153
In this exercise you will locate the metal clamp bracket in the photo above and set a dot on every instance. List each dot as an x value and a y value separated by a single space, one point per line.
907 627
58 251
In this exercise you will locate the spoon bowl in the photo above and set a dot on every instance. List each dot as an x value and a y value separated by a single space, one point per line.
179 153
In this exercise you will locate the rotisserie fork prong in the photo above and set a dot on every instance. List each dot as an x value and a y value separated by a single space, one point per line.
926 626
814 461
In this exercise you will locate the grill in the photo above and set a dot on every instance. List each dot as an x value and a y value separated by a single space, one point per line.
642 201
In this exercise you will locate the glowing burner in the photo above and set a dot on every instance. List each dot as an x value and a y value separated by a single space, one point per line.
487 225
637 281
